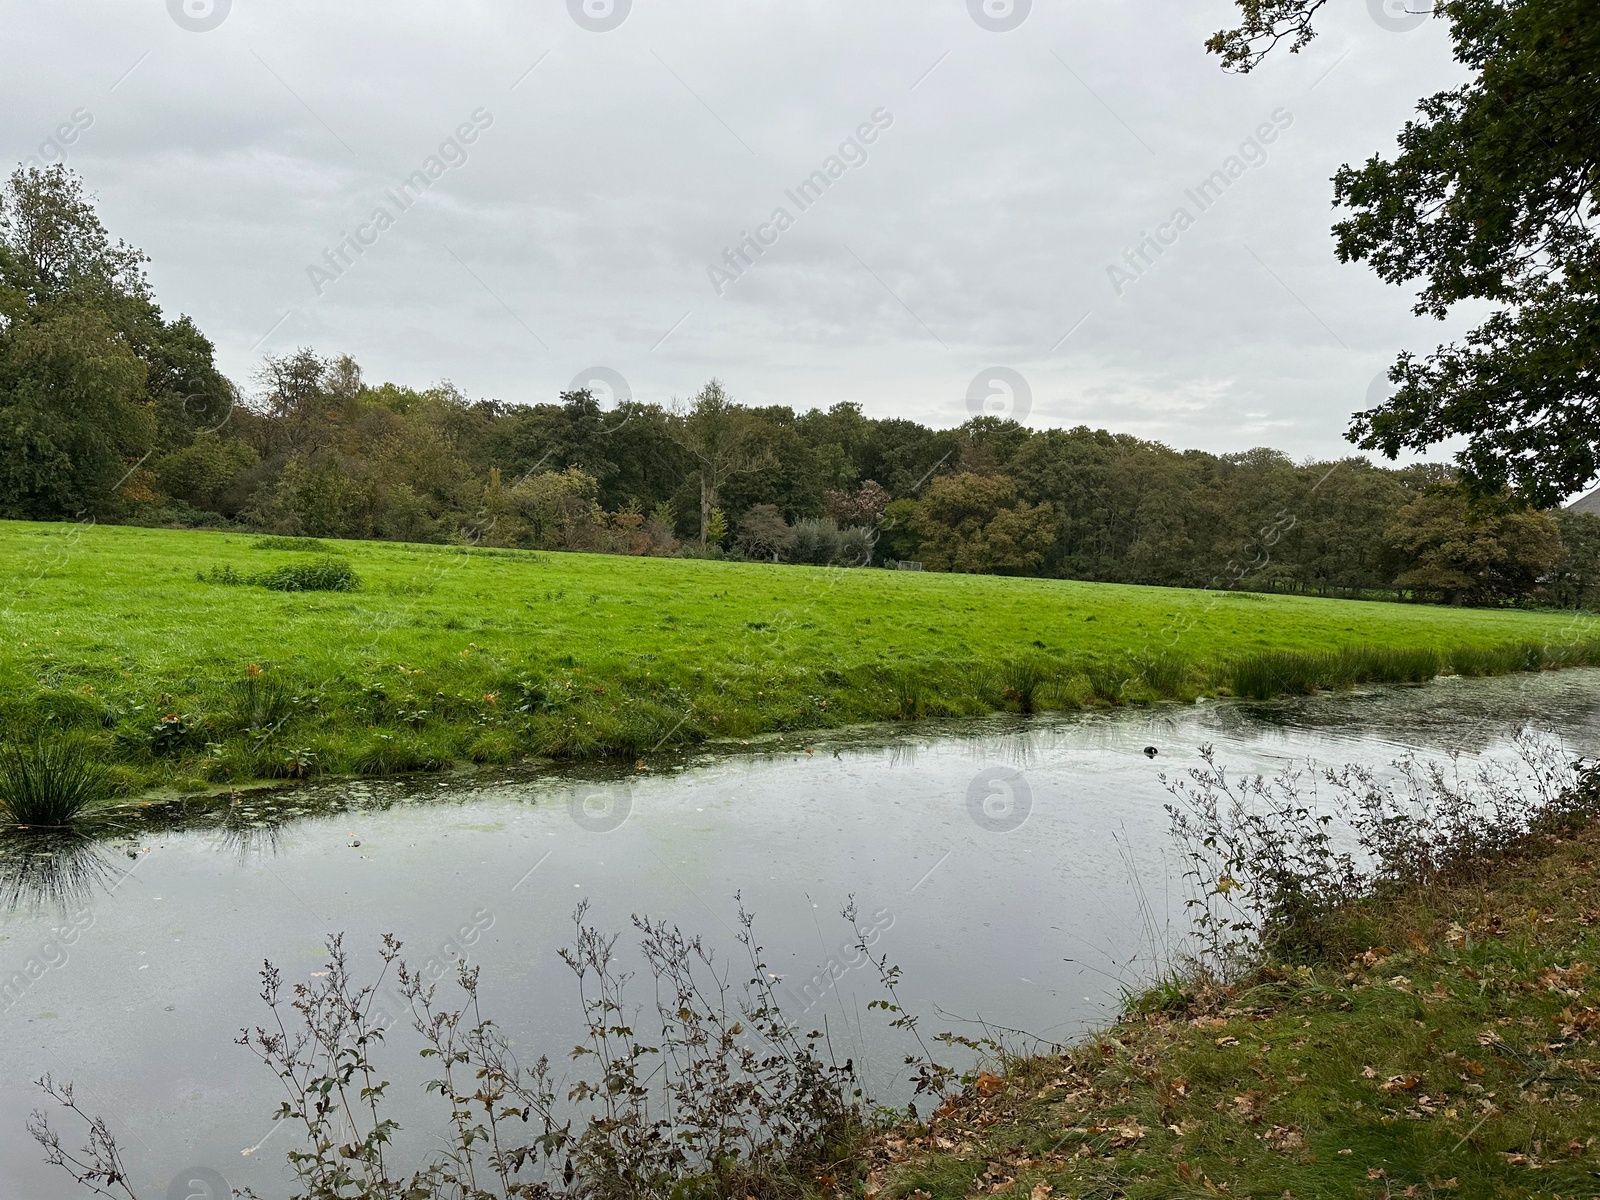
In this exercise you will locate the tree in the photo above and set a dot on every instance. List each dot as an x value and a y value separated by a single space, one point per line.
1576 580
1493 198
975 523
719 437
1465 551
197 473
74 421
559 509
95 379
864 506
763 533
55 248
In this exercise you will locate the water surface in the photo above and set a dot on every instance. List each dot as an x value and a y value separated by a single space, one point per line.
1019 870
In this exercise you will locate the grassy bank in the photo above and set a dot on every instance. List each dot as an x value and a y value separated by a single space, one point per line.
1455 1055
190 661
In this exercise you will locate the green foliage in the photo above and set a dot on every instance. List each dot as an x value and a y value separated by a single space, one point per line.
324 454
93 380
399 753
1575 582
976 523
327 574
50 783
1491 198
1165 674
322 575
717 527
1461 553
309 545
71 415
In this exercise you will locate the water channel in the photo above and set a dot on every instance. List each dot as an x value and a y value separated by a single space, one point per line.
1019 870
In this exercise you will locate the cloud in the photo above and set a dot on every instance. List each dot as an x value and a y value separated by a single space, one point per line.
620 163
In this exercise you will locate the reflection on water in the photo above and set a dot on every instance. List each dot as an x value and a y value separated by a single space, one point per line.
58 870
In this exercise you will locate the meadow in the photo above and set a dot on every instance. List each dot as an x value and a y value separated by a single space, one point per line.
176 656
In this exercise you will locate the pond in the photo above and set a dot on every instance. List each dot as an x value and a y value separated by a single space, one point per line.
1019 870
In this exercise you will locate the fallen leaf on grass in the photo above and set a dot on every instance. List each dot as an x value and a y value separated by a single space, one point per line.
1227 1041
1247 1105
987 1084
1566 980
1040 1191
1285 1138
1126 1132
1399 1083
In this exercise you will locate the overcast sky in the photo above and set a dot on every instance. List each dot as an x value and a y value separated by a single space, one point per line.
620 151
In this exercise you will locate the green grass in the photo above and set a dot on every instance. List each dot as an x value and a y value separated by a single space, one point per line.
450 654
50 783
1457 1054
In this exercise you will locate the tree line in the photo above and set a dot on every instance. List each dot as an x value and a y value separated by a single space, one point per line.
110 410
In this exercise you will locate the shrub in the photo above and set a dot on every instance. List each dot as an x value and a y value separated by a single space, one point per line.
699 1088
50 784
814 541
856 544
763 533
1273 862
322 575
308 544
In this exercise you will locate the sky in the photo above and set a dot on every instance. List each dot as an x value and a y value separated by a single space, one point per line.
580 190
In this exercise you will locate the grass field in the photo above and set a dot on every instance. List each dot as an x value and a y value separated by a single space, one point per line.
445 654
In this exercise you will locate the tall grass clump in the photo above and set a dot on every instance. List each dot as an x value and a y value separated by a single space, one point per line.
1108 681
261 703
328 574
1165 674
49 784
303 544
396 754
322 575
1299 673
1026 681
1496 660
914 691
